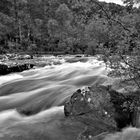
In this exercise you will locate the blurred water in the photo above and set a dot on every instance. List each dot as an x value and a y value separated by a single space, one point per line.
31 102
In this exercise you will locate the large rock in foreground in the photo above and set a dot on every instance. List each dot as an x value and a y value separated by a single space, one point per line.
102 109
87 100
92 107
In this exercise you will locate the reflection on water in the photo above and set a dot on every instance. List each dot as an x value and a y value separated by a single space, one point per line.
31 102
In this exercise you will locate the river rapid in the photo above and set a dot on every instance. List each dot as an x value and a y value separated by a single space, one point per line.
31 102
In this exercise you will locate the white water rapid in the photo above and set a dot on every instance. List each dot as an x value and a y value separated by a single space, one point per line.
31 102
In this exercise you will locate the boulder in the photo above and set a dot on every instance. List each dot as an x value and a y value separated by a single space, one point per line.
3 69
102 109
6 69
90 99
101 136
125 97
92 107
126 108
80 103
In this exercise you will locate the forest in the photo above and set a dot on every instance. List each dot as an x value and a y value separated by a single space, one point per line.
68 27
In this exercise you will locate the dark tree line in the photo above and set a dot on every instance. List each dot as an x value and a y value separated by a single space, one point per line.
67 26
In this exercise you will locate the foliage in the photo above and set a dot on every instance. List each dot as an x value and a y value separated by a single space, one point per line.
124 58
68 26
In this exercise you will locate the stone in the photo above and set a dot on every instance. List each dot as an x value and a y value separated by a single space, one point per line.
125 97
88 99
92 107
79 103
3 69
104 104
6 69
104 109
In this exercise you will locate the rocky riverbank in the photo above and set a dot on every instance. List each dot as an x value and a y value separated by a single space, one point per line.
6 68
103 110
10 63
17 63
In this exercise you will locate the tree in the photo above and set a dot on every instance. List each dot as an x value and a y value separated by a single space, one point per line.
131 2
64 14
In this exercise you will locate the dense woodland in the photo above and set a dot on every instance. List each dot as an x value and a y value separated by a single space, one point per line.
68 26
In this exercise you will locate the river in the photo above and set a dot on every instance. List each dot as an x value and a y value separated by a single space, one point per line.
31 102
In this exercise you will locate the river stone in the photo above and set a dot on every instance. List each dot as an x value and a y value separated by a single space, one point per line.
103 108
6 68
91 100
92 107
105 103
3 69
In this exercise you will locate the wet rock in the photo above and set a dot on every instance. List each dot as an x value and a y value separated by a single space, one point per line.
126 108
79 103
6 69
101 136
102 109
125 97
89 99
77 59
3 69
92 107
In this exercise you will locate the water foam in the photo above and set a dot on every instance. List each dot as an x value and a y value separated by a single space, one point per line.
41 94
8 78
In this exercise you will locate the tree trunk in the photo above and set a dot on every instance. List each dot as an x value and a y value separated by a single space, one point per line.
20 31
17 22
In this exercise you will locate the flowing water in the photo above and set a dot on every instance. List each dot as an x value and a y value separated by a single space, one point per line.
31 102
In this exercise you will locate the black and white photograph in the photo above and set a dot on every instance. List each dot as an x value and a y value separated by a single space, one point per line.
69 69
